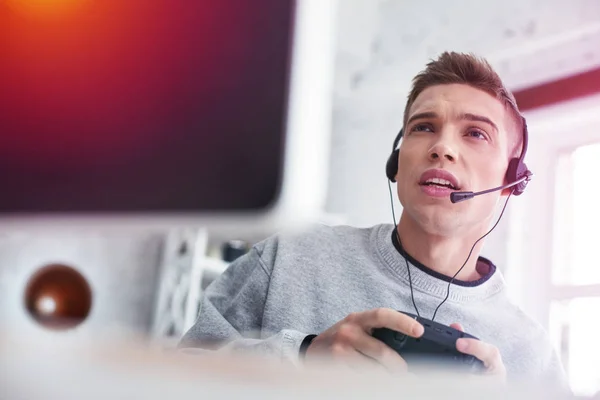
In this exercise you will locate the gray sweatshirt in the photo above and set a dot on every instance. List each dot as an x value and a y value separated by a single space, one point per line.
290 286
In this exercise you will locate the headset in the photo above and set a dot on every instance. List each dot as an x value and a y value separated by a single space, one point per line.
517 176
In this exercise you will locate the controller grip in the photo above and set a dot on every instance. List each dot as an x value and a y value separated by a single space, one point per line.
436 347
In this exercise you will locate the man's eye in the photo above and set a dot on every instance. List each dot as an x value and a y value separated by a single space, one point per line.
477 134
422 128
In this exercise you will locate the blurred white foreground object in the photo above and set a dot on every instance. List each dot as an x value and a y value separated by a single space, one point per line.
103 370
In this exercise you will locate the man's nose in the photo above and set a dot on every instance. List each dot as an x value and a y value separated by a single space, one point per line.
443 149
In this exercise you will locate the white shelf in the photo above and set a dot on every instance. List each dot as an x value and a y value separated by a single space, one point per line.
214 264
191 261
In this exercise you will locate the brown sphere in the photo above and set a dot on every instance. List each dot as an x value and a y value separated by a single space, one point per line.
58 297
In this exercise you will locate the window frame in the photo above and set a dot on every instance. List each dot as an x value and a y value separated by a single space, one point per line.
554 131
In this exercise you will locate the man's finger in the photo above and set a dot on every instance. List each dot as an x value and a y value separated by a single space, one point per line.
488 354
381 353
391 319
457 326
356 359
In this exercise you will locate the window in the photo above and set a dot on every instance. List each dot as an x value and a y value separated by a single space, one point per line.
573 326
575 290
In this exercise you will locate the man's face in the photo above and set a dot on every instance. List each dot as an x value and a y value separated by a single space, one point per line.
455 134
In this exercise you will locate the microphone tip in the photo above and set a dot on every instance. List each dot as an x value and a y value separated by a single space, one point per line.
456 197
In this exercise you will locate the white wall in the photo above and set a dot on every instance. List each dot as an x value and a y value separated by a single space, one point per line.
382 44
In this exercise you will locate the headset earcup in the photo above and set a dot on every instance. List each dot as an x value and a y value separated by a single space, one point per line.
511 171
517 170
391 167
522 171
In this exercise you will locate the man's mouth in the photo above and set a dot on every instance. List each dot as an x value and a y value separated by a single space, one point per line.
439 183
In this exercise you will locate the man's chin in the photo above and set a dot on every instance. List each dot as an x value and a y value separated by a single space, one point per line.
434 219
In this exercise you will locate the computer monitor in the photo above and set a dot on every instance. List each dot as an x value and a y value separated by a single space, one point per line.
164 113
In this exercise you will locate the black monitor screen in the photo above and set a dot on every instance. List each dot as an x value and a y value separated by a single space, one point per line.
142 105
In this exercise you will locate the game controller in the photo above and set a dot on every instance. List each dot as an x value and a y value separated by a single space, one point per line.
436 348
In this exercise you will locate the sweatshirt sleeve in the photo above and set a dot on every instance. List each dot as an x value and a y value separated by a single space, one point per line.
231 311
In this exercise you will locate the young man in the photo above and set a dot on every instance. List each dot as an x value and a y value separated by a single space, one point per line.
321 293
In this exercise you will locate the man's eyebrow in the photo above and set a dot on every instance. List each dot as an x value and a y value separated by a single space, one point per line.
423 115
463 116
478 118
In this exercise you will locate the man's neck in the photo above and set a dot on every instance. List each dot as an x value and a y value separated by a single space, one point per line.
443 254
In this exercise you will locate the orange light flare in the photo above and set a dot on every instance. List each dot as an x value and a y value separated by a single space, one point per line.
46 8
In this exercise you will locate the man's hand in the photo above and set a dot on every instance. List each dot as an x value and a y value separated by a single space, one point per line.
350 340
487 353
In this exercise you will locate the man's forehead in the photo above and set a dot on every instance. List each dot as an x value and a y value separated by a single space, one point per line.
457 99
